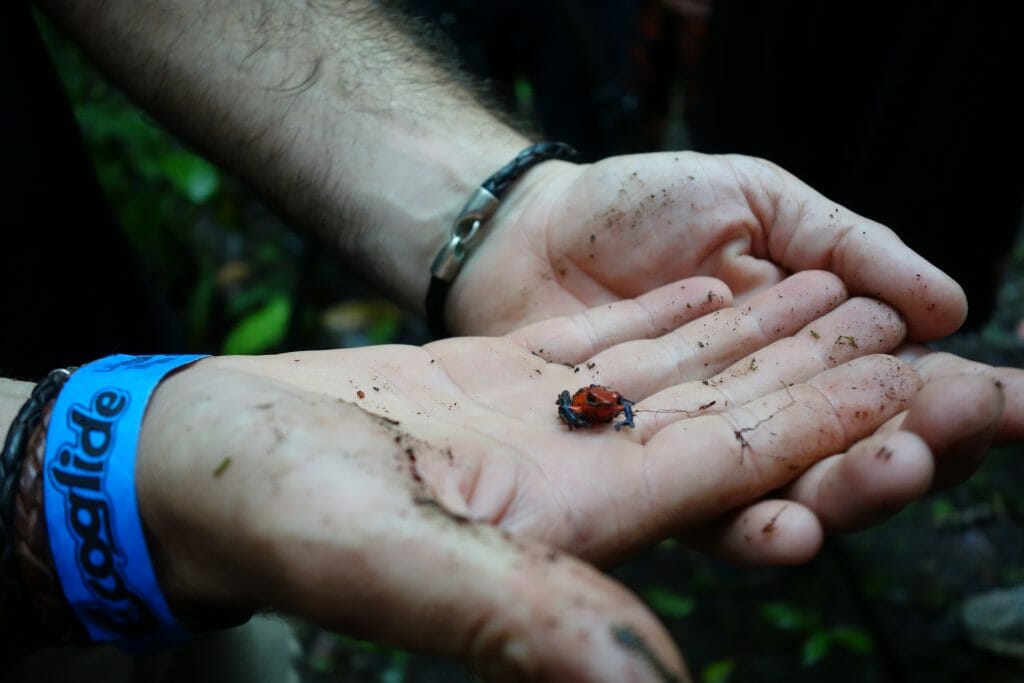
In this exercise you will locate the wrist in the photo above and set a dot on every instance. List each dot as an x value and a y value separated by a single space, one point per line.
396 234
239 460
334 112
33 605
171 499
87 478
505 282
474 222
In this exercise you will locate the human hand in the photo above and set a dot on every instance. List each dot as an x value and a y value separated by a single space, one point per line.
422 496
962 410
572 237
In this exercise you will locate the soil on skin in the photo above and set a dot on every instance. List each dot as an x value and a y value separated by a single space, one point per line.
882 605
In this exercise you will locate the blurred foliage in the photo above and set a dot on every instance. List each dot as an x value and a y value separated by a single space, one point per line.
818 638
669 603
341 654
718 671
262 329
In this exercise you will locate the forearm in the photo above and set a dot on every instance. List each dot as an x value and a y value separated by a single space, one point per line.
328 109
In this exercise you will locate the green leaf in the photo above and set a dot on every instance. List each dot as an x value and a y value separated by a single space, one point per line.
383 330
193 176
853 638
395 661
785 617
669 604
262 330
107 121
523 92
668 545
718 671
815 648
943 511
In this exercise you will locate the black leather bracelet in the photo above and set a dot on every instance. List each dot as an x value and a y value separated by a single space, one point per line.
466 228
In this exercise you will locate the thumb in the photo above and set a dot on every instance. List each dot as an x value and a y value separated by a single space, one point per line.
512 609
330 515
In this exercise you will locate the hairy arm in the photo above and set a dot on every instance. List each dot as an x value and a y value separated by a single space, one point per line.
332 111
335 114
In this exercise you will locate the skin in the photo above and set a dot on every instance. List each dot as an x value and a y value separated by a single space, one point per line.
277 93
654 218
263 480
503 507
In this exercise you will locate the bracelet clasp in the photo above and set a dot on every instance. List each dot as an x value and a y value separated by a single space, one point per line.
465 231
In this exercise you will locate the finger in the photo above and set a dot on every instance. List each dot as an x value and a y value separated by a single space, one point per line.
699 349
873 261
575 338
857 328
806 230
511 609
769 532
940 441
934 365
876 478
957 417
357 542
719 462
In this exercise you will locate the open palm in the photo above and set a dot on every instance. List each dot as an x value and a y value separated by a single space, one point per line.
430 497
573 237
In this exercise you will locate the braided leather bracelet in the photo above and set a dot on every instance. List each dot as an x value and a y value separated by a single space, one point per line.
18 618
466 228
37 607
56 622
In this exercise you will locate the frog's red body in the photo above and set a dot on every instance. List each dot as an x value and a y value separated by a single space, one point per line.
592 405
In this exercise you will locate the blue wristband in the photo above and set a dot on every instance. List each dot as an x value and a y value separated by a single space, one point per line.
92 513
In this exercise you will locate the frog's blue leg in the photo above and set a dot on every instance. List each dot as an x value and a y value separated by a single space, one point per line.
627 412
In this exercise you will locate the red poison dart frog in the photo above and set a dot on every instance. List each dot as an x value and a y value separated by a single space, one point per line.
593 404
